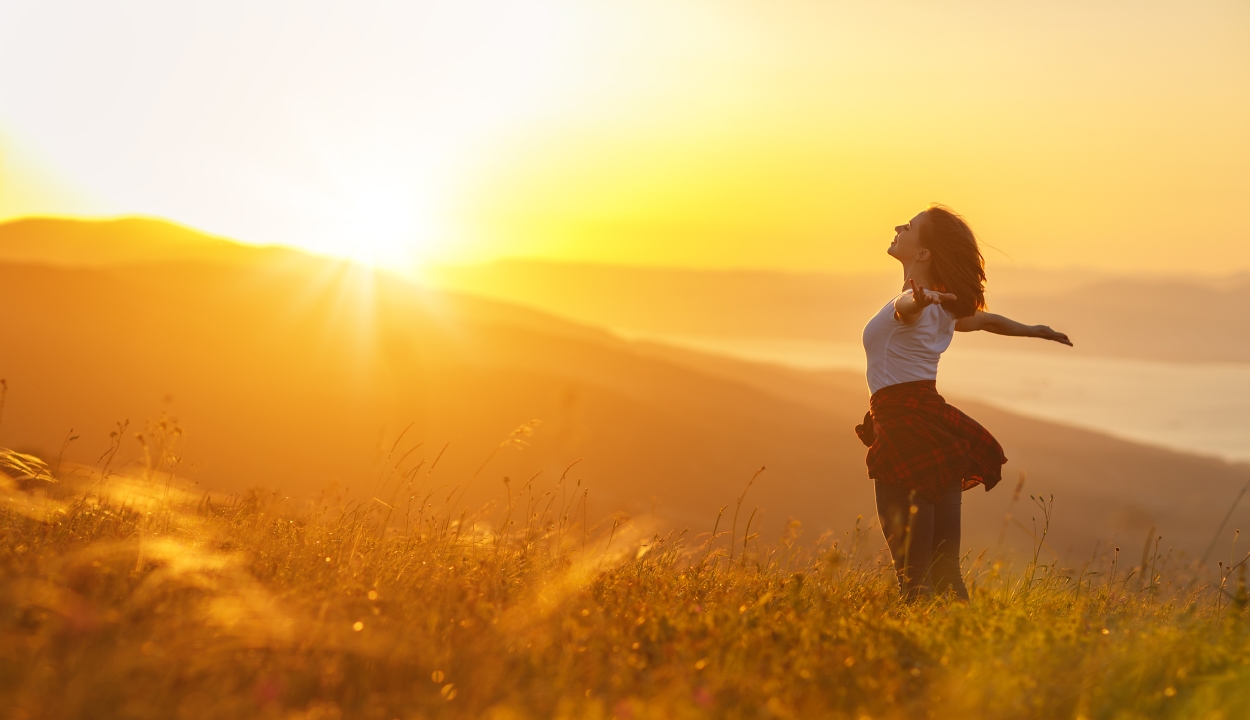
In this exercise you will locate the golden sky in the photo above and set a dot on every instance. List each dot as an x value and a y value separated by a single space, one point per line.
790 134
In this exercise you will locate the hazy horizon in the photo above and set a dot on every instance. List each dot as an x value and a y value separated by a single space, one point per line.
1068 273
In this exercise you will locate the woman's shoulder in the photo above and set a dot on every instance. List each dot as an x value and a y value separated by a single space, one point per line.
934 318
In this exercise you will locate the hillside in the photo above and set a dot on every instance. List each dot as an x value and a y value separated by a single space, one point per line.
293 373
137 599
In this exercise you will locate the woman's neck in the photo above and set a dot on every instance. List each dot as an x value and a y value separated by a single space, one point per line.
918 273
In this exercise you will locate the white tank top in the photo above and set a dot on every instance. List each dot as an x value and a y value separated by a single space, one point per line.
900 352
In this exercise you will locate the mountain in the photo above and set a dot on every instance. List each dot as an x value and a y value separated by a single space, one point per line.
294 373
66 242
1148 317
676 301
1173 319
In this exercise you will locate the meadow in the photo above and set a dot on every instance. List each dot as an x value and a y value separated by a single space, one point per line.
130 594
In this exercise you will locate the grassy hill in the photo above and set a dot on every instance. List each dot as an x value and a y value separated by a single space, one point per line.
125 596
284 486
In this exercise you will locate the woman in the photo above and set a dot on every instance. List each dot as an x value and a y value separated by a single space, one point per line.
922 452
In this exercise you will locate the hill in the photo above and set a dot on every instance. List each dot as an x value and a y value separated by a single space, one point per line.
136 599
294 373
1154 318
67 242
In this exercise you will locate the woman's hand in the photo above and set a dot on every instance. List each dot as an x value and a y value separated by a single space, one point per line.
925 298
1044 332
908 307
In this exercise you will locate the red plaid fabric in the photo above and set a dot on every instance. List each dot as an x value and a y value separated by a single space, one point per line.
917 440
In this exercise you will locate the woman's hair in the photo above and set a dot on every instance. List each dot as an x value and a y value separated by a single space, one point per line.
955 260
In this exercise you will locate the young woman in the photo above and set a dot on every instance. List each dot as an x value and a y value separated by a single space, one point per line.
922 452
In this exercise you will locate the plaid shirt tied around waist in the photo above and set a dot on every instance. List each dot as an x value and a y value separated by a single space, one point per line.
917 440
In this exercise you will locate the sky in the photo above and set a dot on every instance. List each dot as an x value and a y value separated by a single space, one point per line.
790 134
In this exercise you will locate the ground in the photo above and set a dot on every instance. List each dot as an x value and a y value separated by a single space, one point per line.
129 596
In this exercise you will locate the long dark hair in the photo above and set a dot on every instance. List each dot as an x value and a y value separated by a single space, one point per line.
956 263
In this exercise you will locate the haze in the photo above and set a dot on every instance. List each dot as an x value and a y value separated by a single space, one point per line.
705 134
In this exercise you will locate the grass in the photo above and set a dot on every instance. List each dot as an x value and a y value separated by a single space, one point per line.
125 596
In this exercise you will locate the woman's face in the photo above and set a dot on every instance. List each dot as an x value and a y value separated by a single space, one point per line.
906 246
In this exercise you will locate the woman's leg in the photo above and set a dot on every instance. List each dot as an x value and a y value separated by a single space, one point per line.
907 522
945 572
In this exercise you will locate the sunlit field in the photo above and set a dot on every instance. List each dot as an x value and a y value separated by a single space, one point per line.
130 594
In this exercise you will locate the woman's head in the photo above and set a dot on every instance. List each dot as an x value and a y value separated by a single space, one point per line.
941 241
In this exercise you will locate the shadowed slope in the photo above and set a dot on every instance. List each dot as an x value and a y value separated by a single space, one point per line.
290 382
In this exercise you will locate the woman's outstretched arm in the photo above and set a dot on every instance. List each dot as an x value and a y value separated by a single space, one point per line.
1000 325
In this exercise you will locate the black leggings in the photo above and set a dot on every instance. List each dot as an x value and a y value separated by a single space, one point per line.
924 540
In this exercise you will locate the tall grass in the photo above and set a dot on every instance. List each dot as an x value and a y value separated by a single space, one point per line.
123 595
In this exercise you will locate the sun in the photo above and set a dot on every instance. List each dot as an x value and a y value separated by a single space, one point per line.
382 225
385 232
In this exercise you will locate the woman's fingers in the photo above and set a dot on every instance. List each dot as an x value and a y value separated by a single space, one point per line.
918 294
924 297
1057 336
928 297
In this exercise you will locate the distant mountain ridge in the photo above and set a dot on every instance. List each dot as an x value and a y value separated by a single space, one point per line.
1153 317
1181 318
67 242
